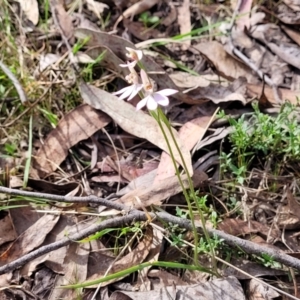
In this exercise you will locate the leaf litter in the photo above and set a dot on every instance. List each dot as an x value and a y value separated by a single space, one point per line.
107 148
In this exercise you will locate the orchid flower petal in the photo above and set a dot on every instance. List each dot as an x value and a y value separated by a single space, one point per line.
127 93
122 91
151 103
128 64
135 91
161 99
167 92
136 55
142 103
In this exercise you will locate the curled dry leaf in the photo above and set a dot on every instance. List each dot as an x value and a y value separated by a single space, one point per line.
77 125
30 9
135 122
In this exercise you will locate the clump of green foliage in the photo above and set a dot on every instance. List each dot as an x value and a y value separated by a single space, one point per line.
264 136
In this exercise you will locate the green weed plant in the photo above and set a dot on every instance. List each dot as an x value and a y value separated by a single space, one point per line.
264 136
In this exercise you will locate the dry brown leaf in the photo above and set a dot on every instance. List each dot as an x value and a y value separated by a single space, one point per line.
289 215
63 19
253 268
7 230
155 250
138 30
156 193
243 19
227 66
190 133
96 7
293 34
135 257
135 122
293 4
30 239
141 182
218 289
285 94
186 80
165 279
77 125
55 260
136 9
75 270
258 291
30 9
236 91
238 227
219 134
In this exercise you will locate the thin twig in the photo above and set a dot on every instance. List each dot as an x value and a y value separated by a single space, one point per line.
136 215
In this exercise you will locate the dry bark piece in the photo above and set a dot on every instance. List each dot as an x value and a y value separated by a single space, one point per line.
77 125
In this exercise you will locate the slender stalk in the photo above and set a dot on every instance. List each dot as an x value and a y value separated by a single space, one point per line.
158 119
161 115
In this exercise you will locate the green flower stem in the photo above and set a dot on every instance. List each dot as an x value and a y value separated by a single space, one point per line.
160 117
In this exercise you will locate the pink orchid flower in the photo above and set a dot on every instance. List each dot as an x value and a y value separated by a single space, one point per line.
134 55
130 91
153 99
